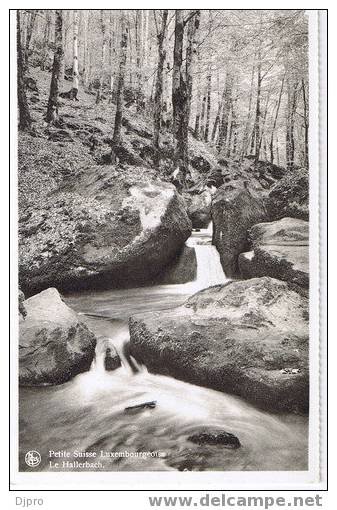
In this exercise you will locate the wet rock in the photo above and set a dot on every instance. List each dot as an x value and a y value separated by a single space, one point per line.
234 210
183 268
103 230
54 345
199 208
290 196
234 338
215 437
111 360
280 250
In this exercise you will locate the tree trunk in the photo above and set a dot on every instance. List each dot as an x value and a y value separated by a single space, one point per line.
112 52
177 63
245 141
258 109
225 111
232 150
198 107
158 97
85 46
271 145
30 27
139 45
25 120
264 116
203 115
101 78
120 89
182 86
290 141
46 37
52 109
217 121
306 126
75 53
208 107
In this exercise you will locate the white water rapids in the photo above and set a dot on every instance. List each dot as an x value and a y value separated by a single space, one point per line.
88 413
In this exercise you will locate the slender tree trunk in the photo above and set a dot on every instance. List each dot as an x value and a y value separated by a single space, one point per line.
223 130
306 126
65 23
120 89
145 46
101 78
208 108
290 142
216 123
177 63
245 141
232 148
25 121
139 45
85 46
46 37
271 145
52 109
258 108
265 113
112 54
158 97
203 115
75 54
30 27
198 106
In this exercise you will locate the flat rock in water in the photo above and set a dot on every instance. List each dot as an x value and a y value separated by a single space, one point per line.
280 250
235 338
215 437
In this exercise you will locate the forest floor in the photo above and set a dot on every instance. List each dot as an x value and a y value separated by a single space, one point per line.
50 155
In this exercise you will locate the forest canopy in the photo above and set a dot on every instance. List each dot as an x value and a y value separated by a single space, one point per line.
235 79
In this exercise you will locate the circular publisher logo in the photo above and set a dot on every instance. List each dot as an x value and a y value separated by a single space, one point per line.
32 458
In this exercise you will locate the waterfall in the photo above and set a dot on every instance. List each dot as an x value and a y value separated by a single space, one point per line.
209 268
114 332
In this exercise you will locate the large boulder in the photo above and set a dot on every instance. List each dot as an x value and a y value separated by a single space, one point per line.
280 250
234 210
183 268
249 338
54 345
103 229
290 196
260 175
199 208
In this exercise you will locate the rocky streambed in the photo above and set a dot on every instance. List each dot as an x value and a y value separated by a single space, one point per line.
219 358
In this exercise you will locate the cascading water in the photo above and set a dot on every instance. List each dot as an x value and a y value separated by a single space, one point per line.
88 413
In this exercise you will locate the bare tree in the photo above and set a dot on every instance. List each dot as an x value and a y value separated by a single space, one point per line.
182 85
53 103
30 27
120 89
46 38
161 32
103 28
25 120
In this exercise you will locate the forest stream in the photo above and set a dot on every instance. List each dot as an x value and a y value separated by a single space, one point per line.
87 414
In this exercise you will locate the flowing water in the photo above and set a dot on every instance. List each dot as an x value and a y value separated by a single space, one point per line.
87 415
